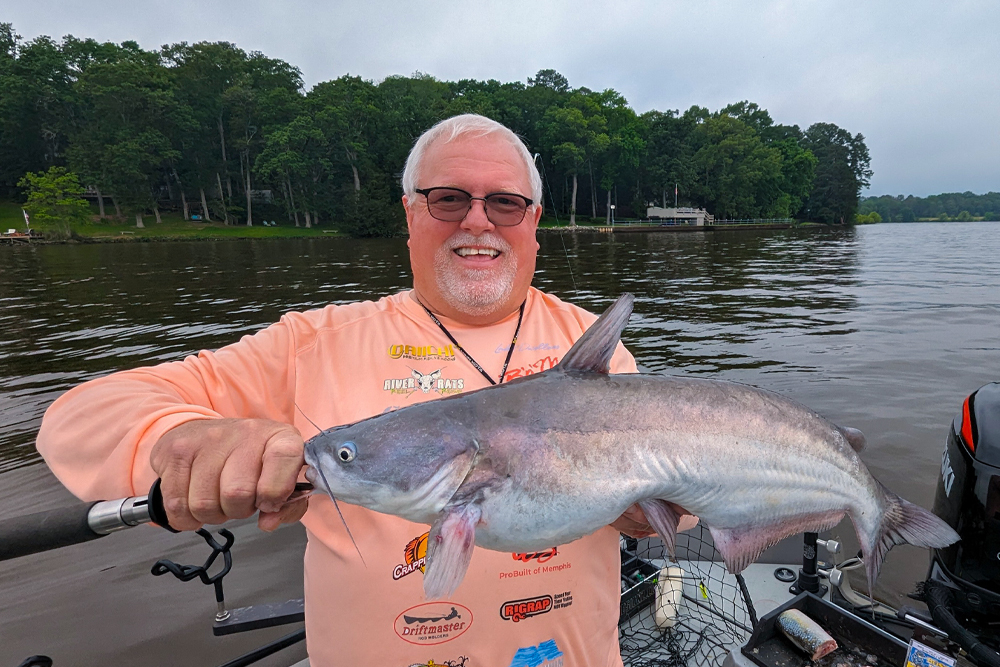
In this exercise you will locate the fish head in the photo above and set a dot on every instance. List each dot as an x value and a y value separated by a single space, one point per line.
402 463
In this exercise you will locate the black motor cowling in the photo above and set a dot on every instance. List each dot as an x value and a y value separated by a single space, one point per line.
968 498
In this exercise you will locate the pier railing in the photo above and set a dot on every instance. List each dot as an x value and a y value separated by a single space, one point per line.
690 223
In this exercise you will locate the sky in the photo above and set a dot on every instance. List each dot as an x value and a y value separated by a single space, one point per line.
919 79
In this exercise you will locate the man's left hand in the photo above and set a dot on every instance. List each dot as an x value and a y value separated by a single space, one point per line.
634 524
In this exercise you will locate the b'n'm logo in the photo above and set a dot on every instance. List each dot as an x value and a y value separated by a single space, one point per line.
433 623
518 610
414 558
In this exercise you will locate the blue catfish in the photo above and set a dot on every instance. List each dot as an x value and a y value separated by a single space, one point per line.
547 459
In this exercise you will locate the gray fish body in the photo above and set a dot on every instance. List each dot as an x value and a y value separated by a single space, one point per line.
544 460
565 453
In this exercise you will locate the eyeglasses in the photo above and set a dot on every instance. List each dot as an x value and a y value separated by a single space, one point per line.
503 209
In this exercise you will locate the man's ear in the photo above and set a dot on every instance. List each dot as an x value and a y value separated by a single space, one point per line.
537 214
409 217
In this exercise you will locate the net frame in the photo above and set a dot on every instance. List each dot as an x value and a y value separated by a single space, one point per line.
715 613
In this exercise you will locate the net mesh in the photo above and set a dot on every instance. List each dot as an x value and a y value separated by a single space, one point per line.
711 615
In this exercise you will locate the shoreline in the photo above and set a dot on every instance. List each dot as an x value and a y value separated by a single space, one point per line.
78 236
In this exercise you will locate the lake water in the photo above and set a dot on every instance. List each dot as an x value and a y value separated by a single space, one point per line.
883 327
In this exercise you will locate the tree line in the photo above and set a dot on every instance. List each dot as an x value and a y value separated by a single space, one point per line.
214 131
949 206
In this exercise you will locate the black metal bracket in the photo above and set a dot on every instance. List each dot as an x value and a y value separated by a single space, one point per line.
808 580
260 616
189 572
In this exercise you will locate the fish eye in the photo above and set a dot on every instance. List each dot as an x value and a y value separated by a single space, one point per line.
346 452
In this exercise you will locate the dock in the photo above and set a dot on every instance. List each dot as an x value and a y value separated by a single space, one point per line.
721 226
17 238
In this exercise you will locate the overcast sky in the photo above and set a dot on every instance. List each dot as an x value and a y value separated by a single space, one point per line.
919 79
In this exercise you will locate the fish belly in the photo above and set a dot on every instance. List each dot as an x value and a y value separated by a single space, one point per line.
520 522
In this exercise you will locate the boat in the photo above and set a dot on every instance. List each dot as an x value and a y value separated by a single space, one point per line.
688 610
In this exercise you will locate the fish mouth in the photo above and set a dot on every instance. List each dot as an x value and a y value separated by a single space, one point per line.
420 504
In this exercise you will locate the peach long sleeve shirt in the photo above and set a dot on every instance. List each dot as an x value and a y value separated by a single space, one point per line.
341 364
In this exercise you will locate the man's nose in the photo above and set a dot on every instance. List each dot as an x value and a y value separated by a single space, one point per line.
475 221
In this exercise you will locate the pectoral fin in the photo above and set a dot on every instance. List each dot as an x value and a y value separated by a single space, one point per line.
449 549
663 517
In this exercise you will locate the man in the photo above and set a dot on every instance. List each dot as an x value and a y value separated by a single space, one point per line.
225 430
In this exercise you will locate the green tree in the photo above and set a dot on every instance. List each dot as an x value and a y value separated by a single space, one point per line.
737 175
35 105
121 142
574 135
843 169
55 196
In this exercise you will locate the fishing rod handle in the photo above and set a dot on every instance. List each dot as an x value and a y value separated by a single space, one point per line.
52 529
42 531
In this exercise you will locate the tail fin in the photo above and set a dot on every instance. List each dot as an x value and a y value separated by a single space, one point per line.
904 523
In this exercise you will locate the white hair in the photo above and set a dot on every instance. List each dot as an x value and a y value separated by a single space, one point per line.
458 126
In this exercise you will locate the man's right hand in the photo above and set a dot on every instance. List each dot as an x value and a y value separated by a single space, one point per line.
214 470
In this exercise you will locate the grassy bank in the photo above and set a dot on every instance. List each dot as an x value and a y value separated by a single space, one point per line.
173 227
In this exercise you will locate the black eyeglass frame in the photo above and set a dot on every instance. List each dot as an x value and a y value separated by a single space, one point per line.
426 191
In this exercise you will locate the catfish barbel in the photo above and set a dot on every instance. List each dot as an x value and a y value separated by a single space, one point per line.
547 459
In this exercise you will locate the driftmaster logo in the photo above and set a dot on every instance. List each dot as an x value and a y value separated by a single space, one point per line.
433 623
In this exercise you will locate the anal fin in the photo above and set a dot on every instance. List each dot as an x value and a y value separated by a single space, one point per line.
663 517
450 544
742 545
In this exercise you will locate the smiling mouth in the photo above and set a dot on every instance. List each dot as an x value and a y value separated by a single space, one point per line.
471 252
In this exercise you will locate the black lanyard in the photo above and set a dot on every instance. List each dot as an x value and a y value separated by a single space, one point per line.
510 351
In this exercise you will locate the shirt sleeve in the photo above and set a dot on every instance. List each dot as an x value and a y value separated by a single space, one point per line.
97 437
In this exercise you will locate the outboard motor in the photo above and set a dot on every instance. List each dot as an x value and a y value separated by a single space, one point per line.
962 590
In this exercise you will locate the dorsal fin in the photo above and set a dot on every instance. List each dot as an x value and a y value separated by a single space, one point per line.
595 348
854 437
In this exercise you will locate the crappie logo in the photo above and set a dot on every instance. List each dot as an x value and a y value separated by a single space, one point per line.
545 654
433 623
414 558
423 382
422 352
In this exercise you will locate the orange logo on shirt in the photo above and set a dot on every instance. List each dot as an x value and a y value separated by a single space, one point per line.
422 352
414 558
518 610
540 556
433 622
462 661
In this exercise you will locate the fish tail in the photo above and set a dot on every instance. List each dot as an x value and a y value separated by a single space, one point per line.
902 522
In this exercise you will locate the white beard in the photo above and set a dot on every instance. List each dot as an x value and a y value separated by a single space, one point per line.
475 292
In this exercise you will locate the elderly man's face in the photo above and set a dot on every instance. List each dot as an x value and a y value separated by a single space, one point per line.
472 287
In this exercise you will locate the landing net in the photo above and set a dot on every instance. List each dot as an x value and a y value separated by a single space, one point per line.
711 613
